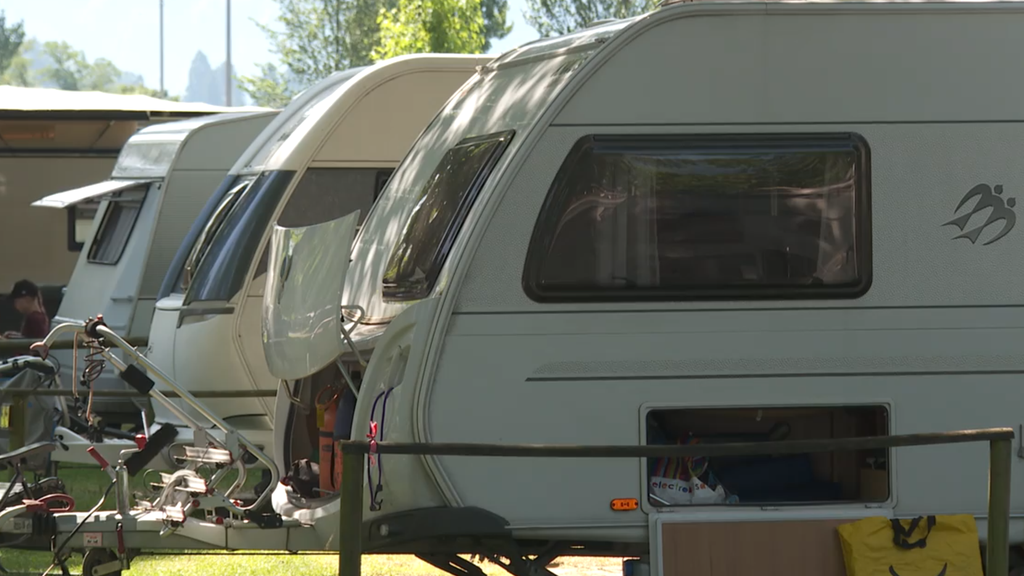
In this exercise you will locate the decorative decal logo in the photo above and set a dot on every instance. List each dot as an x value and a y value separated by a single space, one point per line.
987 198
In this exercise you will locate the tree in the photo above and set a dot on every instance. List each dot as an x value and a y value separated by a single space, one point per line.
71 70
438 26
270 88
320 37
19 72
59 65
556 17
11 38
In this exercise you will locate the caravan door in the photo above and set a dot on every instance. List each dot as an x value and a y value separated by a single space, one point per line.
301 313
322 195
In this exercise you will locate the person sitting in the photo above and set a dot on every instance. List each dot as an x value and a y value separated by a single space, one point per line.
28 301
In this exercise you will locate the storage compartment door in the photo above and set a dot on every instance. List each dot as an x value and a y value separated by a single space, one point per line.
766 543
302 299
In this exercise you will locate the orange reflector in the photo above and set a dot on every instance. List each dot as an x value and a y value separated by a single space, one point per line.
625 504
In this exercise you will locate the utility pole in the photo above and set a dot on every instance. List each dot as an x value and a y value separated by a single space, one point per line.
161 47
227 64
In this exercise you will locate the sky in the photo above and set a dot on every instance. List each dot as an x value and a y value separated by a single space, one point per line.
127 32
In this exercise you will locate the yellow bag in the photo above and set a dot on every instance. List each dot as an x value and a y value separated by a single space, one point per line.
942 546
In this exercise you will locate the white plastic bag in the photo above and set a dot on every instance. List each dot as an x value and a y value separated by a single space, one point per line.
674 483
704 494
668 491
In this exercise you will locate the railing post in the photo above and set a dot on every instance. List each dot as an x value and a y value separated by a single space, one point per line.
350 525
1000 457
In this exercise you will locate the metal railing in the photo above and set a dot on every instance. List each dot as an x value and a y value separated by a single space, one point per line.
10 345
1000 455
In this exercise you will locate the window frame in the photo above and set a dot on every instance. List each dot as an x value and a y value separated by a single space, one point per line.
73 211
397 293
111 204
547 219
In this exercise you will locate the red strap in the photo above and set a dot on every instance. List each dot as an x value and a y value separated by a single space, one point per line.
373 440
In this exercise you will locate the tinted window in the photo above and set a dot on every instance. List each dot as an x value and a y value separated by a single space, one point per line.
691 217
209 231
325 194
222 271
116 227
172 282
443 204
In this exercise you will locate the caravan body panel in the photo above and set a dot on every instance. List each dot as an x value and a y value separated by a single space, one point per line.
922 329
136 229
348 141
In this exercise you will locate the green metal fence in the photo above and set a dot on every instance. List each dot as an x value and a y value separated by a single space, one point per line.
1000 441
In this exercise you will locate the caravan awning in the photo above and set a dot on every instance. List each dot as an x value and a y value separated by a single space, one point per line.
71 197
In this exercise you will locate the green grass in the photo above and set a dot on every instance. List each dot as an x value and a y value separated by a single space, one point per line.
86 486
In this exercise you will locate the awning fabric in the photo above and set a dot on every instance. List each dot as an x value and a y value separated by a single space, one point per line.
71 197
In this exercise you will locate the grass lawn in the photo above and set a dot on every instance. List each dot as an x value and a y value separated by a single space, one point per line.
86 485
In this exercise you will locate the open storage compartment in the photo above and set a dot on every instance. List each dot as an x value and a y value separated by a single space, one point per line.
860 476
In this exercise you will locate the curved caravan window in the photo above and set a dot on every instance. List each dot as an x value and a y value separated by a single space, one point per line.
116 227
221 272
687 217
223 208
219 202
433 225
326 194
322 195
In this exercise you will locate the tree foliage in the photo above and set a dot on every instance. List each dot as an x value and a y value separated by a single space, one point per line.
316 38
556 17
437 26
68 69
71 70
11 38
19 71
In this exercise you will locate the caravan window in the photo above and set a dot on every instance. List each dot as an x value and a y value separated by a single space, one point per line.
675 218
209 231
116 227
222 270
433 225
80 218
325 194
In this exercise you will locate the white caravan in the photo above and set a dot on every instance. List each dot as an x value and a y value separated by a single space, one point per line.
602 240
163 176
330 158
169 294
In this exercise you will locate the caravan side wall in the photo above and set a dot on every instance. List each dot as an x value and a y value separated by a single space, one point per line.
934 339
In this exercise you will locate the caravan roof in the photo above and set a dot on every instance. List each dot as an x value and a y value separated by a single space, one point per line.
21 102
147 156
306 104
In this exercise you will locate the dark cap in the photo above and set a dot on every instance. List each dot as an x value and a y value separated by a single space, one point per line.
23 288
